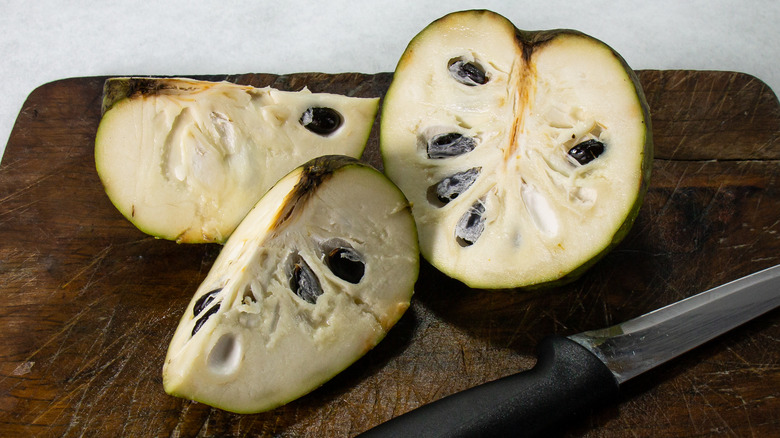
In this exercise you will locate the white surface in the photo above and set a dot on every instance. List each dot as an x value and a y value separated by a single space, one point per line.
42 41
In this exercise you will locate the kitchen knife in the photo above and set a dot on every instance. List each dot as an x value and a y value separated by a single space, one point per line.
576 374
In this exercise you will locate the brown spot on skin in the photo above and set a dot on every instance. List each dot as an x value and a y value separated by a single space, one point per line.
530 41
116 89
315 172
526 74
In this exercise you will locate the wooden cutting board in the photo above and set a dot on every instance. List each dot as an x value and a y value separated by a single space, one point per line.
89 303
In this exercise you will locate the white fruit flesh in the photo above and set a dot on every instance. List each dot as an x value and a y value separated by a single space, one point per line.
545 214
188 161
265 345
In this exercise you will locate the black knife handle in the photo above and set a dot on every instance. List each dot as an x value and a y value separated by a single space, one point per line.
567 382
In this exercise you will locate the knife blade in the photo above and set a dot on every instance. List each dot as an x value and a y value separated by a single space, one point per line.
574 375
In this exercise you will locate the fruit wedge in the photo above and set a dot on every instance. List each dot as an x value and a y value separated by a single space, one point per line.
313 278
185 160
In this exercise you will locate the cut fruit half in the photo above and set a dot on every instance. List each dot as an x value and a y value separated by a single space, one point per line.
185 160
525 155
314 277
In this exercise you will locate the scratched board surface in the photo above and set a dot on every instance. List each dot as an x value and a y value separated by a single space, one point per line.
89 303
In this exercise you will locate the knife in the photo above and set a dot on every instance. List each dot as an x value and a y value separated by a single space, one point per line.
574 375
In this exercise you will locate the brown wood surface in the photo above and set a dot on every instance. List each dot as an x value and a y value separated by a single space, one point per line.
89 303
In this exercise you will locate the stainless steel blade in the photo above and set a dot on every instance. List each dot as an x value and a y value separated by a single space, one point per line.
635 346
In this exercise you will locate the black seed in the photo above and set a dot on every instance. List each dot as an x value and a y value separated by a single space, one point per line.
303 282
587 151
451 187
347 264
471 224
321 120
450 145
468 73
204 301
202 320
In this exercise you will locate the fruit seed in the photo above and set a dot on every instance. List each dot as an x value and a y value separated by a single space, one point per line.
450 145
451 187
304 282
346 263
586 151
321 120
204 301
471 225
467 73
202 320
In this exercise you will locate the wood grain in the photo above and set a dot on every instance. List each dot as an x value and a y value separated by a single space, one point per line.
89 303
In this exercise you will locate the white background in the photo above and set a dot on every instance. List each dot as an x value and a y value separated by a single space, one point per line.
42 41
